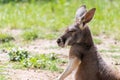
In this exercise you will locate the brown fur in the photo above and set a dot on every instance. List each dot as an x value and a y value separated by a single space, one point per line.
92 66
83 54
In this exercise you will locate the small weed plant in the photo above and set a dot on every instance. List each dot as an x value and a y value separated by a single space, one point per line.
43 61
18 54
30 35
40 61
5 37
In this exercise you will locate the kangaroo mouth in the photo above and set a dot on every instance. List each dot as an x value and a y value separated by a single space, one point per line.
61 42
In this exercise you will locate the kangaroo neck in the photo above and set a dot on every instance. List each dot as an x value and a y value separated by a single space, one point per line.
87 40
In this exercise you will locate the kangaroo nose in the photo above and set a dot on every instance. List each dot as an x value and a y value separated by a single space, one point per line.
59 40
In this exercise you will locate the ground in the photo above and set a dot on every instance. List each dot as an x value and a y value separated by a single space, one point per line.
46 20
47 46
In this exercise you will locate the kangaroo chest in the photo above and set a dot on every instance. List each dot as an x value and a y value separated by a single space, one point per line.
88 69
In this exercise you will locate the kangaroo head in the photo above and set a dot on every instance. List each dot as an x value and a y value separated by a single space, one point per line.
74 33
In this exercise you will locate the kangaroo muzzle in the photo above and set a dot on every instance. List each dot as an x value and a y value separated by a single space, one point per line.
61 42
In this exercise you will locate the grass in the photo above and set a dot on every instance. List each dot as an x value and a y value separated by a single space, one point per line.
17 65
49 17
7 45
41 61
97 41
114 47
110 50
116 56
4 37
18 54
30 35
2 76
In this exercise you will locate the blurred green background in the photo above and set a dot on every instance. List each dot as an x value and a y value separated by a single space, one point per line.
46 19
24 21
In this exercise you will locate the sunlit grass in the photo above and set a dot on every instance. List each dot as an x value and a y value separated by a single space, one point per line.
111 51
42 61
4 37
30 35
7 45
97 41
2 76
54 16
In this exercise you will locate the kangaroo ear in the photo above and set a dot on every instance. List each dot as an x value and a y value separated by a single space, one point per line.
88 16
80 12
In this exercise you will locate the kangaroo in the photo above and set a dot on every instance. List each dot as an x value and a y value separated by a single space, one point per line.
83 55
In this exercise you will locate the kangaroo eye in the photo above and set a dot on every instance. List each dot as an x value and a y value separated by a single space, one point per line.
72 31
